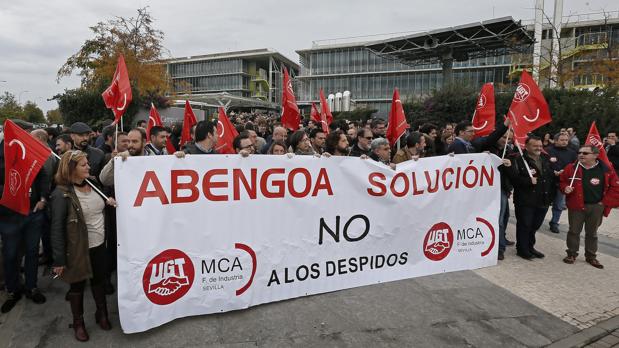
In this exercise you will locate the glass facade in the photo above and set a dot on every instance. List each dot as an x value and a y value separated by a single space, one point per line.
254 75
371 79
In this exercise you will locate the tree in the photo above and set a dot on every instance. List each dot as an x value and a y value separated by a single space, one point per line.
141 45
136 39
9 107
32 113
54 117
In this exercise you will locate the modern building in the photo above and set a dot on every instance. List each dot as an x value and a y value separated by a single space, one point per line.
587 43
370 67
248 79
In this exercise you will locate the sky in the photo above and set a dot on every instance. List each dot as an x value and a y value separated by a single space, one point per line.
36 37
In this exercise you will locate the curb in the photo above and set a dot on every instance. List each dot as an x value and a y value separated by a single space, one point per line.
589 335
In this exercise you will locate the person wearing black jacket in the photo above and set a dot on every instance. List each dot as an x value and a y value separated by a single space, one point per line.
612 150
533 193
18 231
560 156
80 133
206 139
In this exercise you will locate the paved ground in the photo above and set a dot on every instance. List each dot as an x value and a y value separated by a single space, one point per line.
516 304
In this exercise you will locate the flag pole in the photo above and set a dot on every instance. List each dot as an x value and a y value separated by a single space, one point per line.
574 176
89 182
116 138
506 142
122 128
525 161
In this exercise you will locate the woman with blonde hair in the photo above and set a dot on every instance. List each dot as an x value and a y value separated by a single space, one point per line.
78 235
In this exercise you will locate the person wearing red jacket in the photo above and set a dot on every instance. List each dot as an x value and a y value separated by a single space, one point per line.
591 190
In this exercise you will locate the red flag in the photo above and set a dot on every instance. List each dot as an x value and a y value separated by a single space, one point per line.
226 132
24 157
155 120
325 113
484 116
315 114
290 111
594 139
318 118
529 109
189 120
397 120
118 96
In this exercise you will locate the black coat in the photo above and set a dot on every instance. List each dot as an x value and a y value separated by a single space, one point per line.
527 194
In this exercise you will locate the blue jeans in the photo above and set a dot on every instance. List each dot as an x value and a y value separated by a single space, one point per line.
528 221
23 233
503 220
558 205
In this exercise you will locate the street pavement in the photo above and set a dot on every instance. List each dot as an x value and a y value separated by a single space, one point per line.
518 303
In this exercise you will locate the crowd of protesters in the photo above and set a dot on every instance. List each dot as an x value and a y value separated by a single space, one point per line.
77 229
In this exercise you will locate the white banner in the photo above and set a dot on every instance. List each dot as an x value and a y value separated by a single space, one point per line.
214 233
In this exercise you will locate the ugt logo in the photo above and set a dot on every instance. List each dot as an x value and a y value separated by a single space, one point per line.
438 241
168 277
522 92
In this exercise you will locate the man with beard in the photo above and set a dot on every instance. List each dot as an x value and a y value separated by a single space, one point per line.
157 144
362 147
80 133
137 142
337 144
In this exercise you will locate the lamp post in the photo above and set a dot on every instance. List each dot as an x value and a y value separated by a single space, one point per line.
20 93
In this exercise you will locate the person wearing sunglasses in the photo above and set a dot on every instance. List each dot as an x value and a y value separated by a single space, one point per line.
362 146
590 188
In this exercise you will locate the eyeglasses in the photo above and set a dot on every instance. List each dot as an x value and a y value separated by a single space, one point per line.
247 147
584 153
368 138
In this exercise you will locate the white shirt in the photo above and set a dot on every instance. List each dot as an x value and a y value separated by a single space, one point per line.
92 209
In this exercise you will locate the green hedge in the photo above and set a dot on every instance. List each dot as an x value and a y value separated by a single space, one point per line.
569 108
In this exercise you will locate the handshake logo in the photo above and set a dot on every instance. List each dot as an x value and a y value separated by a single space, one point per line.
168 277
438 242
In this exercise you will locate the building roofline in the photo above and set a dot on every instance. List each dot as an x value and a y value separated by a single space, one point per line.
254 53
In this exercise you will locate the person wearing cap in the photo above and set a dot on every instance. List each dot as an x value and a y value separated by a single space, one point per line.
19 233
80 133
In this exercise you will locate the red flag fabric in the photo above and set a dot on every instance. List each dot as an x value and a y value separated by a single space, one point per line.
484 117
189 120
315 114
325 112
24 157
118 96
318 118
594 139
529 110
397 124
155 120
226 132
290 111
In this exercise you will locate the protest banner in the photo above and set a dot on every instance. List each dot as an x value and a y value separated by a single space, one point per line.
214 233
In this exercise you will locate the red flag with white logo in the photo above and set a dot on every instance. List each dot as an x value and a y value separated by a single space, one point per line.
155 120
118 95
397 124
24 157
226 132
325 112
594 139
290 111
484 116
189 120
318 118
529 110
